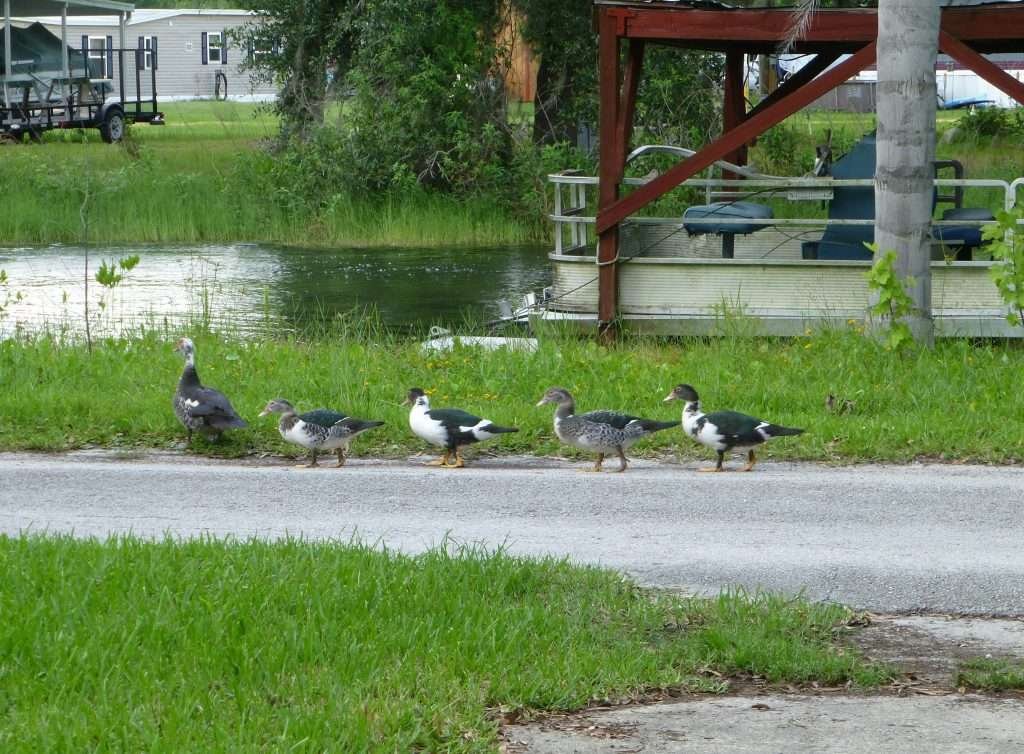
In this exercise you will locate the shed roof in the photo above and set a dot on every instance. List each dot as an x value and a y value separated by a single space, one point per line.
143 16
34 8
720 4
985 25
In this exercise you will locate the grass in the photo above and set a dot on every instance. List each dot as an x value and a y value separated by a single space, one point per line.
955 403
201 179
990 674
208 645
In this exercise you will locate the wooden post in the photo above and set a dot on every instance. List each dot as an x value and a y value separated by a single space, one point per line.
8 73
734 108
634 65
612 158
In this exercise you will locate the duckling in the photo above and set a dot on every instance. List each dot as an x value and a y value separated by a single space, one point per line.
201 408
451 428
839 405
320 429
601 432
725 430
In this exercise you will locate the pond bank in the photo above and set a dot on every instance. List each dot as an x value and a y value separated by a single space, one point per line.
260 288
953 403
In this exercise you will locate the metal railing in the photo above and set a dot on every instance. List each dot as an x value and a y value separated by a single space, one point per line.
570 211
53 98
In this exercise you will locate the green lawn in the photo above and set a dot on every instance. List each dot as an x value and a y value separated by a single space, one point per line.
204 645
990 674
956 403
204 178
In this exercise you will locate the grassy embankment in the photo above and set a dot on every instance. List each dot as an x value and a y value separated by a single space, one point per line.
199 179
955 403
297 646
990 674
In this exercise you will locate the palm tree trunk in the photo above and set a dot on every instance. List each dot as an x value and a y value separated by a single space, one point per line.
908 32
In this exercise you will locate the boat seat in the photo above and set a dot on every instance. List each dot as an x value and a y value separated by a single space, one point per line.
966 237
846 242
726 218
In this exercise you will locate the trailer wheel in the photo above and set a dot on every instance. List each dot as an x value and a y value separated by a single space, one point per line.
112 127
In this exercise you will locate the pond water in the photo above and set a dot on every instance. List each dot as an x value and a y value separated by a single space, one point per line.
246 287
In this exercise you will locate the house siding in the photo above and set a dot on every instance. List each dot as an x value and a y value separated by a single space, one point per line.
181 73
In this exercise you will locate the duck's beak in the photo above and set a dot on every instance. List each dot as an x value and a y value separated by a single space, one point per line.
669 397
406 402
264 412
541 402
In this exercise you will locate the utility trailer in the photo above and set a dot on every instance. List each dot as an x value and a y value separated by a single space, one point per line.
47 84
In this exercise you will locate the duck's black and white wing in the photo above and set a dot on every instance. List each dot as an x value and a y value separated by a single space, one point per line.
463 427
213 406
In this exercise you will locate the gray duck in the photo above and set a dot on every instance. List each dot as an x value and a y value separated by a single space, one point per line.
601 432
318 430
198 407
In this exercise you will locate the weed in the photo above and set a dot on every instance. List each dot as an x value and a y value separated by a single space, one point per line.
893 303
1006 244
991 674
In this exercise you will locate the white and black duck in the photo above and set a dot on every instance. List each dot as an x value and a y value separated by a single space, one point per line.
201 408
601 432
450 428
724 430
318 430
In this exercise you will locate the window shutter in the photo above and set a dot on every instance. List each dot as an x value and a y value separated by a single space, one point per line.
110 57
202 46
153 56
224 46
140 54
85 56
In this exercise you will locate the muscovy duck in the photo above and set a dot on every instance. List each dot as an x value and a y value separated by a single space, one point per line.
601 432
319 430
450 428
201 408
724 430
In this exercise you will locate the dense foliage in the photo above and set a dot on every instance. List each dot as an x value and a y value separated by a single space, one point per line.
406 95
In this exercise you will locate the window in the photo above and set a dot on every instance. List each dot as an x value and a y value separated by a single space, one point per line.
259 48
98 57
148 48
214 48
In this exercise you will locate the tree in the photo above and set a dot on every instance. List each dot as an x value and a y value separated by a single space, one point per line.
560 33
908 33
295 44
908 38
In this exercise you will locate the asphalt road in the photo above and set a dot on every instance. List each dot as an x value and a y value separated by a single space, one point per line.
936 538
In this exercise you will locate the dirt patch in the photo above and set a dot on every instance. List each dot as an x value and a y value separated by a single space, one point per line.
928 649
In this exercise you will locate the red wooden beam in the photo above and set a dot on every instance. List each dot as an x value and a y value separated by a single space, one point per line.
736 25
611 215
985 68
612 156
985 23
854 26
805 75
634 65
